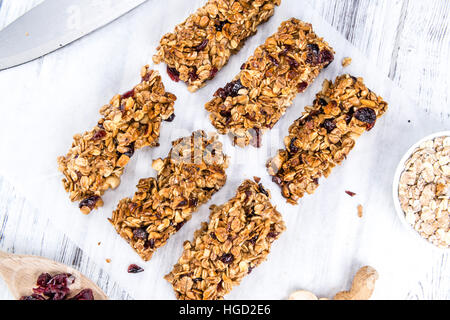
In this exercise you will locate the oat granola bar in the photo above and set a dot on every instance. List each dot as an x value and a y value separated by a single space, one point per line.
324 135
98 157
201 45
286 64
237 238
193 171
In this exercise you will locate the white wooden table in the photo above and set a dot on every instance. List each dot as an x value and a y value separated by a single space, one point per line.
409 41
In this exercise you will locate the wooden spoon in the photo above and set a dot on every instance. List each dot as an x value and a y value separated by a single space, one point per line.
20 273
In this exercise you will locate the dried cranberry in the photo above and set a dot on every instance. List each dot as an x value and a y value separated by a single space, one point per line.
134 268
34 296
213 72
350 193
322 102
262 190
273 60
326 57
250 269
100 134
171 117
182 203
227 258
349 115
256 139
173 74
313 54
43 279
202 45
197 280
231 89
179 225
149 244
273 234
193 202
193 74
128 94
225 113
302 86
253 240
89 202
285 50
219 25
213 235
130 151
366 115
277 180
85 294
329 125
292 147
292 63
140 233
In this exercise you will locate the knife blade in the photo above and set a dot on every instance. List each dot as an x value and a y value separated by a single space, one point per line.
54 24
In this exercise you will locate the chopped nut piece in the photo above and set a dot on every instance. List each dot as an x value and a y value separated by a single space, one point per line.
201 45
286 64
209 268
424 193
346 61
131 121
360 211
324 135
193 171
350 193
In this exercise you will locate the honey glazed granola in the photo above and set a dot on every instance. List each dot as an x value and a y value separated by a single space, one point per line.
201 45
193 171
285 65
237 239
98 157
324 135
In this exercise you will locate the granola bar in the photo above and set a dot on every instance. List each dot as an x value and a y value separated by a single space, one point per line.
324 135
286 64
201 45
98 157
237 238
193 171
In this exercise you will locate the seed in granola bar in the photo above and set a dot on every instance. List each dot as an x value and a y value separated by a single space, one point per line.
134 268
366 115
140 233
100 134
202 45
128 94
227 258
171 117
302 86
89 202
173 74
329 125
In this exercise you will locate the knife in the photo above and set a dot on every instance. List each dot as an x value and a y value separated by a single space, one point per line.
54 24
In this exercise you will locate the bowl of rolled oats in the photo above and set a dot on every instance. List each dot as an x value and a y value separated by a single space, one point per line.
421 189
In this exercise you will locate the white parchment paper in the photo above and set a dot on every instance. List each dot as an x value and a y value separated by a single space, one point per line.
45 102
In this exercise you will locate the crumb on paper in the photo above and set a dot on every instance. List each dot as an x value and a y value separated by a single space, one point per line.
346 61
26 34
350 193
99 243
108 260
360 211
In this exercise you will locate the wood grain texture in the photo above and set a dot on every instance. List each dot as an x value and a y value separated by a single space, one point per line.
408 41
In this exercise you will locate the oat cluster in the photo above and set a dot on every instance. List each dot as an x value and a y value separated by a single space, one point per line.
129 122
286 64
201 45
324 135
424 191
237 238
192 172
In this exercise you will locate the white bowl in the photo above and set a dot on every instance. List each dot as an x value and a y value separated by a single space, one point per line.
398 172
